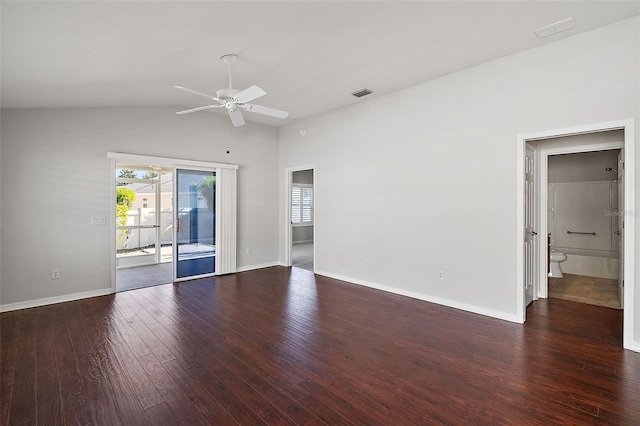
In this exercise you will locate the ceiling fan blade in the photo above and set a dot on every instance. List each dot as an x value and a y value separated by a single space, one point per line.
197 93
249 94
187 111
236 118
272 112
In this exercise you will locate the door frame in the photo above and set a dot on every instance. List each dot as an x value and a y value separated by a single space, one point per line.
174 246
119 157
629 232
288 234
535 240
543 283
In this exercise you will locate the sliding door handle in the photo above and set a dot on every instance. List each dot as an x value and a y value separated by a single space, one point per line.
177 225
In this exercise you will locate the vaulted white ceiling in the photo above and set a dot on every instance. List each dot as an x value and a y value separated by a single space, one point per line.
308 56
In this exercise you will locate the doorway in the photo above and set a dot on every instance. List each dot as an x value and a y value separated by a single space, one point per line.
144 217
628 235
301 207
186 223
583 221
195 224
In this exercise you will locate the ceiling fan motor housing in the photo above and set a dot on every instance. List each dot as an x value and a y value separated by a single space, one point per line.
226 94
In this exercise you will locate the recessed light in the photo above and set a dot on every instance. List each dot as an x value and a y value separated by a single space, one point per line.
558 27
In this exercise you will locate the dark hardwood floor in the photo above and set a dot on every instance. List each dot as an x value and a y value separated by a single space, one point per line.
280 346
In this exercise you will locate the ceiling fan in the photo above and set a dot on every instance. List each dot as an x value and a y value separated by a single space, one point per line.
234 100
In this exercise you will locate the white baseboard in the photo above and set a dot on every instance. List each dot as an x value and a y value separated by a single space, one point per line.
52 300
633 346
426 298
258 266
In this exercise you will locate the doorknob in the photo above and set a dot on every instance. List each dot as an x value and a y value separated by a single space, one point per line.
534 233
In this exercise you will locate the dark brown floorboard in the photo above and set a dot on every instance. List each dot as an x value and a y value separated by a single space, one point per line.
281 346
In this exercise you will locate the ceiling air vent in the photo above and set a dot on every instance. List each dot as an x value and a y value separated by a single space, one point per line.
362 92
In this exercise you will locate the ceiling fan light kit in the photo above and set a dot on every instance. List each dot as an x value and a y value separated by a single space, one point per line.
234 100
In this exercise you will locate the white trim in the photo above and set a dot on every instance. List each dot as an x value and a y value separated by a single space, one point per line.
111 220
53 300
426 298
302 242
629 230
169 162
258 266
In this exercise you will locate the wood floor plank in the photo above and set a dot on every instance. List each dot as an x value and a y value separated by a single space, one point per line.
75 404
143 386
23 409
246 349
225 364
113 401
283 346
48 392
180 408
196 367
10 340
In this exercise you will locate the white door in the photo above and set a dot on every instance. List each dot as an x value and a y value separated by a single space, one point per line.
529 224
620 231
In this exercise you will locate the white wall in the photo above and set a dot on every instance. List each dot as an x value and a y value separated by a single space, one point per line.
424 179
60 156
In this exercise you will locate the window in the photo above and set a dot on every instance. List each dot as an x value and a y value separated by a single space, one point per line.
301 204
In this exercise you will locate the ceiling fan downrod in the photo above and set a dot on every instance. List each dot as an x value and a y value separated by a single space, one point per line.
229 59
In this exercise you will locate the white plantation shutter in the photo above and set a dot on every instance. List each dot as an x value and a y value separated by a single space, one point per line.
301 204
307 205
296 204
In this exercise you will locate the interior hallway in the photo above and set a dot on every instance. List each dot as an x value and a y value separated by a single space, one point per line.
302 255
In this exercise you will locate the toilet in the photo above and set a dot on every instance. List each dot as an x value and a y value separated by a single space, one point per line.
556 258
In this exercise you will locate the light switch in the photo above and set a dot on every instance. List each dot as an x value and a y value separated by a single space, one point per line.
98 220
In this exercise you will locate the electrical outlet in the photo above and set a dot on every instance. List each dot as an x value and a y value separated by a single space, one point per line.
249 250
346 259
55 274
366 260
440 275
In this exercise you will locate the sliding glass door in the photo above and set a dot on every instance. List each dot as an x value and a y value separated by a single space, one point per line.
195 223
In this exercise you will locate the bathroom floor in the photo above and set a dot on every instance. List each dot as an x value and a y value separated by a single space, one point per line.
583 289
